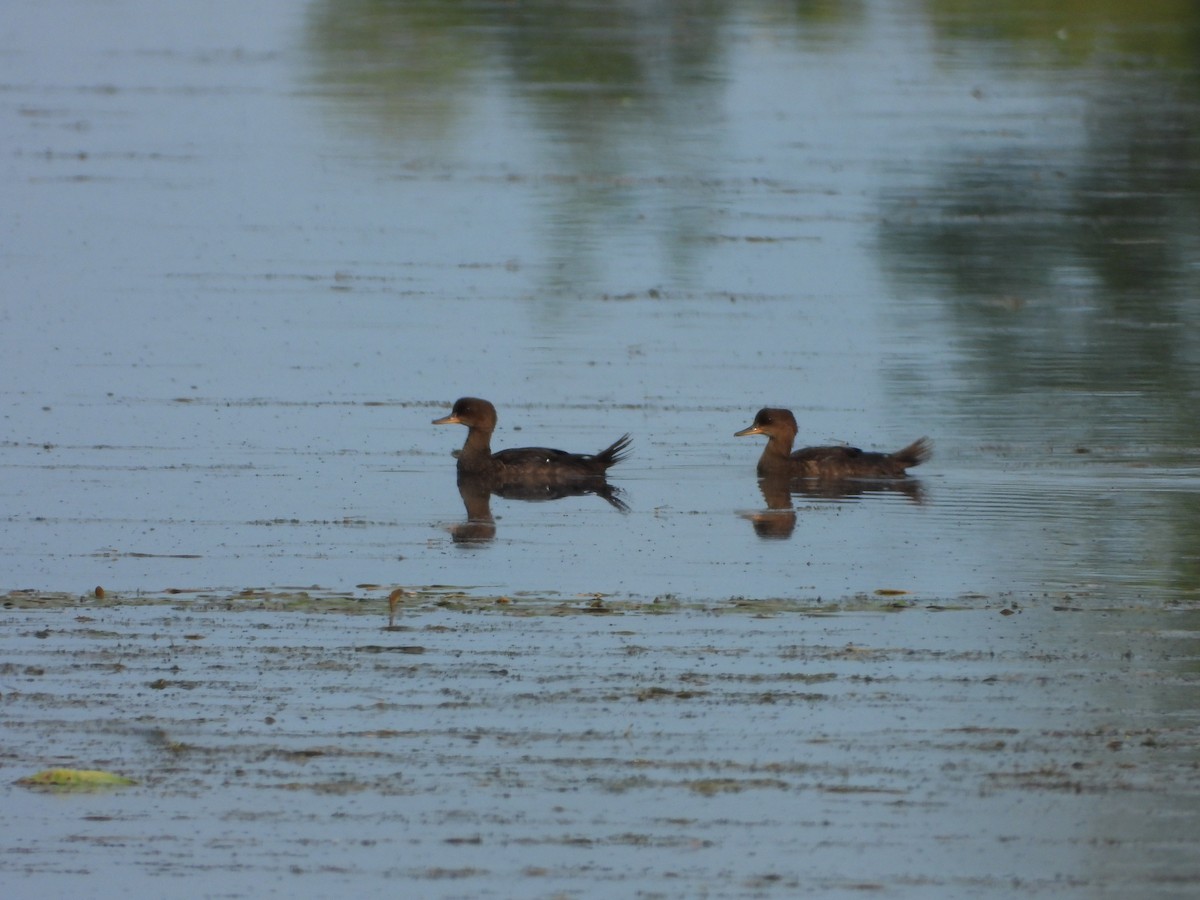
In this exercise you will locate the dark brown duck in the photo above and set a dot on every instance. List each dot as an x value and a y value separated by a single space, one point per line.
522 465
779 425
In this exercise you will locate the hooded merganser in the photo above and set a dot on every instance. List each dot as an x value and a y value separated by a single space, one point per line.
528 466
779 425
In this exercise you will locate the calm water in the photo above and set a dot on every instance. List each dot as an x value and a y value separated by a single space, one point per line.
250 257
250 251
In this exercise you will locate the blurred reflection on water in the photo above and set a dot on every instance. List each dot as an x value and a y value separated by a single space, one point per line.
625 106
1059 257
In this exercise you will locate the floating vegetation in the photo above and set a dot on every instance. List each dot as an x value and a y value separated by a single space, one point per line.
75 780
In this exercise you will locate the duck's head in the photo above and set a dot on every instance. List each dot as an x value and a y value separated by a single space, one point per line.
771 422
472 412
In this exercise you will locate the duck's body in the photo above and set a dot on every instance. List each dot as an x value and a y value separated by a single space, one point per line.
838 462
533 469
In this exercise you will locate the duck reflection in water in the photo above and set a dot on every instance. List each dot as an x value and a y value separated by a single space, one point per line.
822 473
523 473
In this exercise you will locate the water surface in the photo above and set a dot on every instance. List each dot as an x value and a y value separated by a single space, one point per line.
673 750
249 260
252 250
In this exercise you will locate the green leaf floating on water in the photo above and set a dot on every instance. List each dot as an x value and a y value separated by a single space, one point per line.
75 779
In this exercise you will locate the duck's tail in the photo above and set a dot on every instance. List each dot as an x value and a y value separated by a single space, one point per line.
915 453
617 452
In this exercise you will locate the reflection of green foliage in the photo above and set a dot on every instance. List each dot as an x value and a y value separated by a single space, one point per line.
399 61
1165 33
575 45
1095 245
597 80
407 48
816 24
1093 249
1065 258
406 57
391 44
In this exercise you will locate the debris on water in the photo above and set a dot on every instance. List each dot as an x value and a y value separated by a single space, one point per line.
394 599
75 780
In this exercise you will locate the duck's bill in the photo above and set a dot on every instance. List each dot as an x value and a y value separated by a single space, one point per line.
447 420
753 429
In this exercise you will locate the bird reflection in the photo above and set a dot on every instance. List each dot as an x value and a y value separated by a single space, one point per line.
480 526
477 492
778 520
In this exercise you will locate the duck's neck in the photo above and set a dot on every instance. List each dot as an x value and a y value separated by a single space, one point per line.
477 450
776 454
